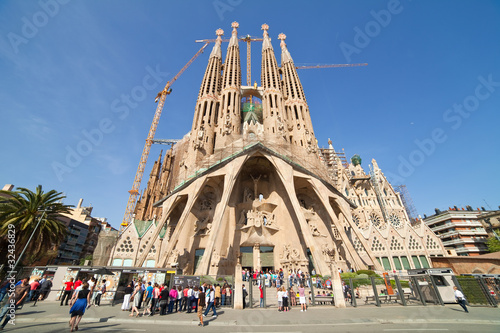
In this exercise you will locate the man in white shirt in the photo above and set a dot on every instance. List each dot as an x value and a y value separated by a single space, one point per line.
459 296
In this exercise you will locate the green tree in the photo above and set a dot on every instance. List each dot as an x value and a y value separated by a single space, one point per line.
493 243
23 208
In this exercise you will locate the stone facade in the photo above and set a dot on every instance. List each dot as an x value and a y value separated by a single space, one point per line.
249 186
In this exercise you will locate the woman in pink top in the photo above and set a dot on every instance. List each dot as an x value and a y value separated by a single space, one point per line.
154 300
173 298
302 298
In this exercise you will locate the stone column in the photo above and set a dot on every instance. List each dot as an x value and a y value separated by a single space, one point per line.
238 287
256 257
338 293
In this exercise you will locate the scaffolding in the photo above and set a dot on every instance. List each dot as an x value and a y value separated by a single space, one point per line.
407 202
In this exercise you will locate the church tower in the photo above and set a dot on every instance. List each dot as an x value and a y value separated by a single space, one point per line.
274 118
203 134
296 108
230 99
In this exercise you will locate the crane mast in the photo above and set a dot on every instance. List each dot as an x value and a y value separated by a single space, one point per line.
160 98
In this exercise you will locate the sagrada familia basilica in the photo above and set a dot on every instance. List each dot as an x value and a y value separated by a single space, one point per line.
249 185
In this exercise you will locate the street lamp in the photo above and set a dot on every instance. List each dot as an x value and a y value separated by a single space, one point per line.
32 234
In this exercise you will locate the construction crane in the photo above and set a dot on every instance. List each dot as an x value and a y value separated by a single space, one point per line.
160 98
330 66
248 39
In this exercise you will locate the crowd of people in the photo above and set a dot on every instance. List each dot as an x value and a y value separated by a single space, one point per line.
155 298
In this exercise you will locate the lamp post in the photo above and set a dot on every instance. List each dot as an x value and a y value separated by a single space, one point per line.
29 240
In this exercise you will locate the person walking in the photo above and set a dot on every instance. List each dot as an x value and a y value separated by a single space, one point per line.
261 296
147 299
244 296
285 299
80 300
100 292
200 305
135 299
45 288
460 298
67 291
210 299
126 299
17 298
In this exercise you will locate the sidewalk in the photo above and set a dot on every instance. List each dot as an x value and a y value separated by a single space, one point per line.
52 312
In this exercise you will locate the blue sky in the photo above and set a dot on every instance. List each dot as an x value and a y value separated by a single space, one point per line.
78 82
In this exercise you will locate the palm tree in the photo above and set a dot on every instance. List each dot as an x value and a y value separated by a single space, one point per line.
23 209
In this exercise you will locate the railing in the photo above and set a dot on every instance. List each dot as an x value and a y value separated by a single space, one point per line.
454 241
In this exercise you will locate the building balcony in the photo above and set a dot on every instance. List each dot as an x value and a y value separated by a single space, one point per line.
448 234
443 227
469 249
473 232
474 240
467 224
453 242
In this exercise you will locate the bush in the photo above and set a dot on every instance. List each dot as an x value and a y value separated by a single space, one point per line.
367 272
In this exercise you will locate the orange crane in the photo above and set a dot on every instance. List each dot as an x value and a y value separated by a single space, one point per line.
160 98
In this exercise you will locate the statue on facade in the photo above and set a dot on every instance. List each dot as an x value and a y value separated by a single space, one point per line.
199 138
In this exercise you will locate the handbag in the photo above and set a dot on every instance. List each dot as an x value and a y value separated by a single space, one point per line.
131 298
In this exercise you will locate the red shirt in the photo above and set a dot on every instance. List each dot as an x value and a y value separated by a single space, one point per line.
34 285
78 283
69 285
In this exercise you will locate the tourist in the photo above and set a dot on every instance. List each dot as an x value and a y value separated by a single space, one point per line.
154 299
196 295
261 297
302 298
285 299
190 296
126 299
80 300
100 292
163 300
217 295
173 299
180 296
293 297
185 299
147 299
17 297
67 291
33 287
223 295
200 305
45 288
135 298
244 296
460 298
92 288
210 299
280 299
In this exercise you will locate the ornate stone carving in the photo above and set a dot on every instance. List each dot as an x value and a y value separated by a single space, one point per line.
227 126
199 138
203 227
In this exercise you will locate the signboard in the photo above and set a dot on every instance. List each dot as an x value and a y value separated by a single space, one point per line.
186 280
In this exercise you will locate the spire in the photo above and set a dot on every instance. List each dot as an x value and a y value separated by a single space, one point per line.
266 44
216 52
285 55
234 35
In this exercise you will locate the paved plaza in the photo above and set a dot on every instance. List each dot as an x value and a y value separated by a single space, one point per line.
51 317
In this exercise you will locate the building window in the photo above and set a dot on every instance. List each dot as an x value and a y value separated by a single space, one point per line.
416 262
397 263
127 262
425 262
406 263
117 262
198 254
386 263
150 263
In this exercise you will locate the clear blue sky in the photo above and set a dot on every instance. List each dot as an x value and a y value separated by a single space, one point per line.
64 69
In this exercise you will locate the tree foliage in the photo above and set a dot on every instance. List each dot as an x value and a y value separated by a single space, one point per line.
23 208
493 243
